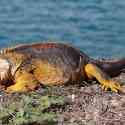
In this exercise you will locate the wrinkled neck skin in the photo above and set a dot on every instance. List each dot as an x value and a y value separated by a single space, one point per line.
12 61
5 71
8 66
113 67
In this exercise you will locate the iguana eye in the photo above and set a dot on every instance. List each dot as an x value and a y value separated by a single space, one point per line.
4 69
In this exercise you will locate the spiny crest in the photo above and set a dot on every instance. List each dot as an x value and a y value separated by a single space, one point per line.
5 50
11 49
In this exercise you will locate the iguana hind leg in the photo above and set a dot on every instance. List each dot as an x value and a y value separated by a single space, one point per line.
23 83
92 71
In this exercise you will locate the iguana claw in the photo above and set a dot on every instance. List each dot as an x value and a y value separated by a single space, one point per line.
113 85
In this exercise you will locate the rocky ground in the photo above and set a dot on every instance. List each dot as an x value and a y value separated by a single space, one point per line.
80 104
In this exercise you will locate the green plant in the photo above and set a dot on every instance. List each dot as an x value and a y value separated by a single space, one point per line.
30 108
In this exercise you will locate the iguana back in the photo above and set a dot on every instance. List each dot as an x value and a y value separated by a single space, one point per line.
53 63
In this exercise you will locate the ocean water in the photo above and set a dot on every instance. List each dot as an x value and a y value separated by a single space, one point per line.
95 26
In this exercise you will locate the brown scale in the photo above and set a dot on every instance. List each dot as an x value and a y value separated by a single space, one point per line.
56 64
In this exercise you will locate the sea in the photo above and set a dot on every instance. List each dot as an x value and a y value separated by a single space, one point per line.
97 27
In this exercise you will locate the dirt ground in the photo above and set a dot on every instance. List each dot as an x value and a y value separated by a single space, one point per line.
88 104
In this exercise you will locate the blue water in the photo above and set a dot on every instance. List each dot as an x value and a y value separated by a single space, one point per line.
95 26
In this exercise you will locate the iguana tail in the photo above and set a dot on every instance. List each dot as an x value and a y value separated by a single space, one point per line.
113 67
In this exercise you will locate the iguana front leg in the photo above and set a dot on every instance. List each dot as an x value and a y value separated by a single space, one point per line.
92 71
23 82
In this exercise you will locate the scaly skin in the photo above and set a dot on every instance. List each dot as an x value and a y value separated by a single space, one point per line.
52 64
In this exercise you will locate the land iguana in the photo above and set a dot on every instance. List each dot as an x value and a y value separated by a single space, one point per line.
24 67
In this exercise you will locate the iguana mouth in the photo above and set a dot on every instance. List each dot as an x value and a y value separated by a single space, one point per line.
4 69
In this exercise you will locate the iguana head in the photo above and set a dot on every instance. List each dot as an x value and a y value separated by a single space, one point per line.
5 67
